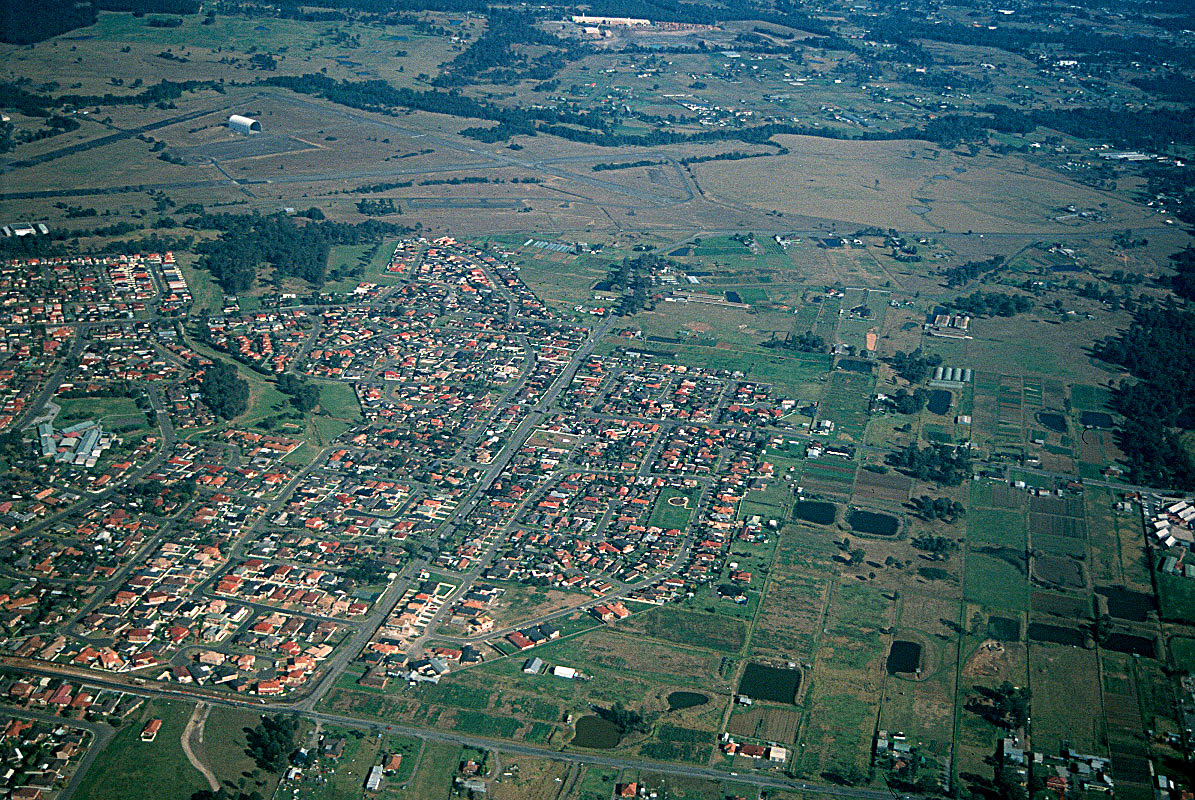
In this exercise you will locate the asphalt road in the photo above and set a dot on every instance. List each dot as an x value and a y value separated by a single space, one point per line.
760 779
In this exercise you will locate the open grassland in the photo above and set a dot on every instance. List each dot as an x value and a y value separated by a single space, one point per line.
673 508
923 705
790 618
713 631
224 745
130 769
910 184
1064 681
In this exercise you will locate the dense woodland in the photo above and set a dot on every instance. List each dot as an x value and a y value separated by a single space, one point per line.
1158 349
938 463
224 391
971 270
291 248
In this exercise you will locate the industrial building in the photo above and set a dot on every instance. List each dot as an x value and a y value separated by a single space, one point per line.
80 444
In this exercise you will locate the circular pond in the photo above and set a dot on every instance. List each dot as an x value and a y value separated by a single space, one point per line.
596 732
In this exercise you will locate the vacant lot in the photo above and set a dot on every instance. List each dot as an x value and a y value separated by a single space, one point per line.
130 769
713 631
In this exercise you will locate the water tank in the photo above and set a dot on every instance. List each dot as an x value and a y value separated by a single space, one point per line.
956 374
244 125
938 373
967 375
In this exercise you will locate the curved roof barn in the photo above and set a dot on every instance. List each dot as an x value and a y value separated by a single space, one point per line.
245 125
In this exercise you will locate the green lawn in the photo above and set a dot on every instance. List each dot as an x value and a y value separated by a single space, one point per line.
100 409
130 769
207 296
433 779
1177 595
224 742
668 516
597 784
999 528
994 582
1182 650
372 259
340 401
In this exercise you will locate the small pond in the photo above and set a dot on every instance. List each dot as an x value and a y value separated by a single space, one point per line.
1004 629
1055 634
777 684
873 523
1126 604
904 656
815 511
1052 420
682 700
939 401
596 732
854 365
1096 419
1133 645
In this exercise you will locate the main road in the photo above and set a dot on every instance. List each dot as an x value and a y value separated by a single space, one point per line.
763 780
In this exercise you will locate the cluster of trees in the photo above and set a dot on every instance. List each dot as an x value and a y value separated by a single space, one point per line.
224 391
175 494
1005 706
1108 296
914 367
1183 282
304 395
377 208
272 741
139 7
632 277
26 23
1163 180
938 463
225 793
458 181
494 57
902 26
1126 239
609 165
1158 349
249 241
371 188
807 342
942 508
992 304
939 547
734 155
377 95
965 273
904 402
627 720
366 571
